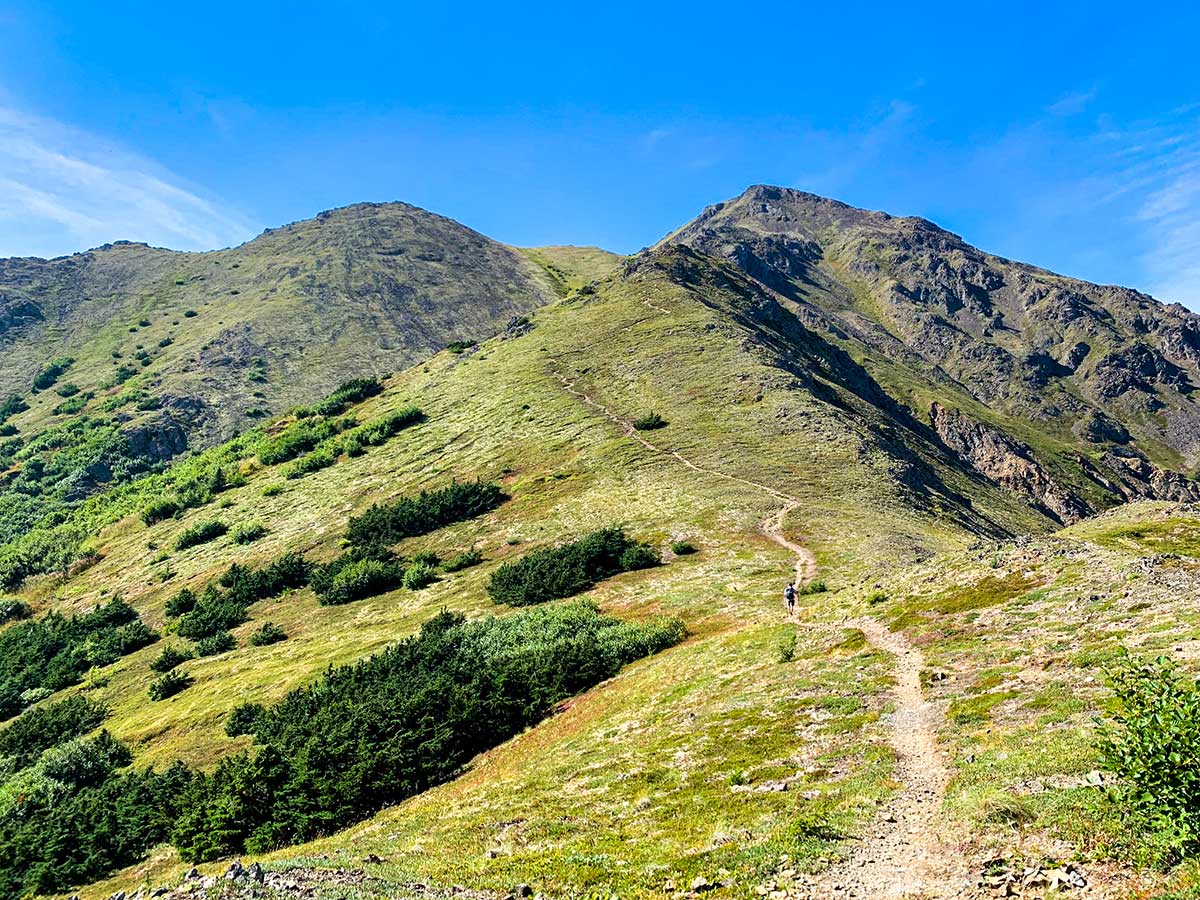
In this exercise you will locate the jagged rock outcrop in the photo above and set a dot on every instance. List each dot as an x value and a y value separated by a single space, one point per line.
1028 343
1006 462
1141 479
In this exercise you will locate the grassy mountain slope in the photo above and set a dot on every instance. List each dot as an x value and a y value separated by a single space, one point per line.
758 749
278 321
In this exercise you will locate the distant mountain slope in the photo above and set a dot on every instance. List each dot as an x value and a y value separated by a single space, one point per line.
281 320
1094 385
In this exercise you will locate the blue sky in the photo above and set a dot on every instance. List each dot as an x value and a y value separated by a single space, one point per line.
1066 136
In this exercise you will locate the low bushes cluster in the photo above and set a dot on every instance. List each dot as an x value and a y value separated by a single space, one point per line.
371 734
354 391
266 634
51 372
56 651
557 572
353 576
388 523
41 728
92 822
300 437
223 605
353 442
200 533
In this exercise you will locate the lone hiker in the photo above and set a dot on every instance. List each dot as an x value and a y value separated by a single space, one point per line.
789 596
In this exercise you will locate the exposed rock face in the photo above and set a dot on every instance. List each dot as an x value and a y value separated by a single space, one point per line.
1097 428
1006 462
1028 343
1140 479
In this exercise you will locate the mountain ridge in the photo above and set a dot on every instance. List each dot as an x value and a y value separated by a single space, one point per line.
734 404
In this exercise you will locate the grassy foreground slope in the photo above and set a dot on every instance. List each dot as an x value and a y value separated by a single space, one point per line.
676 768
723 714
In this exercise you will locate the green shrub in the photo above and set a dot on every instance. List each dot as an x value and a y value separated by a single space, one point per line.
1152 746
70 389
369 735
51 372
244 719
200 533
273 490
787 648
169 684
320 457
463 560
813 587
353 391
557 572
221 642
212 614
159 509
457 347
218 610
419 575
11 405
268 633
169 659
74 405
249 532
361 578
13 610
385 524
299 438
144 323
55 651
190 314
381 430
649 422
39 729
182 602
682 548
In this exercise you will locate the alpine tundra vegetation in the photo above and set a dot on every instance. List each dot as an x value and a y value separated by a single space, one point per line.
375 558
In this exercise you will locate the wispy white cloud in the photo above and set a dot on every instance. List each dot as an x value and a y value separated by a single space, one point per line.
857 149
1072 104
63 190
1171 215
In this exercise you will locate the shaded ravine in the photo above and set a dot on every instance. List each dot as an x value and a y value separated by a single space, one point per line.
902 854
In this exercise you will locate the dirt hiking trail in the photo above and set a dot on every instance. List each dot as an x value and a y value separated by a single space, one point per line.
902 854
